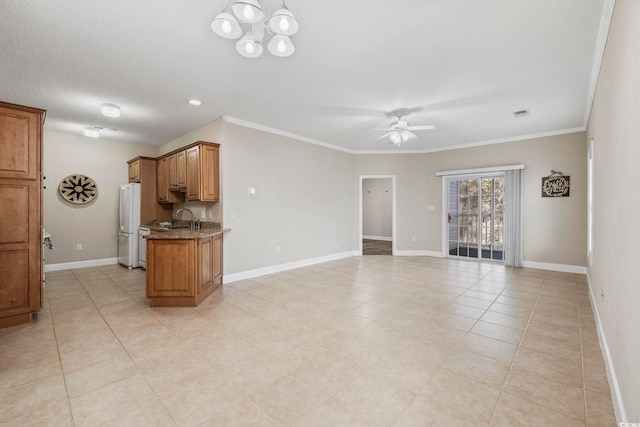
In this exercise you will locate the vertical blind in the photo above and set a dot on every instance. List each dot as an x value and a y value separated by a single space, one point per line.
512 208
513 218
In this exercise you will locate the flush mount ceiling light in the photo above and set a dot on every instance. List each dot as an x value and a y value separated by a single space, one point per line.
96 131
195 102
110 110
281 24
92 132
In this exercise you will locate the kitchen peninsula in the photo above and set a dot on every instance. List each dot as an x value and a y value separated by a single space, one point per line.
183 266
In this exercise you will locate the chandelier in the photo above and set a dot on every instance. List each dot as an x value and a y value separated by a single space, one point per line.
281 24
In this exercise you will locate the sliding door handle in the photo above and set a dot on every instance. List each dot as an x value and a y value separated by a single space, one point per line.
448 218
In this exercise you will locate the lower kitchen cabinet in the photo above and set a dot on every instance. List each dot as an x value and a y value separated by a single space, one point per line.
183 272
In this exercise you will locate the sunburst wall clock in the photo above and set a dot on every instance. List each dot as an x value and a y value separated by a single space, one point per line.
78 189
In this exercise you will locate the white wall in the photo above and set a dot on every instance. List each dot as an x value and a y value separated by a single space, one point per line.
615 129
553 228
377 210
303 203
412 197
94 224
307 195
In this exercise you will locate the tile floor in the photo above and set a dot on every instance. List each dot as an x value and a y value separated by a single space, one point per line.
363 341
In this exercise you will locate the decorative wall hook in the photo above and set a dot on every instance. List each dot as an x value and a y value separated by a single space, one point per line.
555 172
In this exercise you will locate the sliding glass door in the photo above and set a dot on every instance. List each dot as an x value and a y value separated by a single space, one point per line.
476 217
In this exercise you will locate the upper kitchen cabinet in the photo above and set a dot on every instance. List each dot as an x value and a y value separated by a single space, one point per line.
177 171
164 195
20 133
192 170
134 170
203 182
20 213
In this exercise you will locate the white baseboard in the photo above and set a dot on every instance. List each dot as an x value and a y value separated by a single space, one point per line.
419 253
249 274
80 264
614 385
563 268
383 238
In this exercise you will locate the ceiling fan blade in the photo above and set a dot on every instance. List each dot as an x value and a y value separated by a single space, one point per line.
421 127
387 129
385 135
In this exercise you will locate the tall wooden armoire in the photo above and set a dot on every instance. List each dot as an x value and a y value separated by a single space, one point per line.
20 213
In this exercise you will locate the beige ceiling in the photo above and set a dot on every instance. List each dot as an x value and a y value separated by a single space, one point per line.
462 65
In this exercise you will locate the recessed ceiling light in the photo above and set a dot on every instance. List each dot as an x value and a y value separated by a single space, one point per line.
92 132
110 110
195 102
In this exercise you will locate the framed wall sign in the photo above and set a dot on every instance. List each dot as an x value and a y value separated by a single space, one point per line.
556 185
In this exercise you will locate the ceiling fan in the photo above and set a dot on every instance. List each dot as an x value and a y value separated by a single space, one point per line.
400 131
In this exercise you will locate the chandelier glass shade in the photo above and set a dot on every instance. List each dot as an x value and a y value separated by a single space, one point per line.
226 25
281 45
281 24
248 46
249 11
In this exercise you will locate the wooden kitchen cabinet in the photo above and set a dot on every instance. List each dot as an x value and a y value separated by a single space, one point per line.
177 164
171 268
164 195
203 172
181 170
217 260
134 170
183 272
192 170
20 213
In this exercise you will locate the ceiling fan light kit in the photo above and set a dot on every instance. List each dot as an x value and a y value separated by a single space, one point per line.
281 24
400 131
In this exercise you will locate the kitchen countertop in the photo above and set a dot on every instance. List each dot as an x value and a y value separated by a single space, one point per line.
182 233
178 229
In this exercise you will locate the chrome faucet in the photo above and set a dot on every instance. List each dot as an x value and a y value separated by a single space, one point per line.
192 223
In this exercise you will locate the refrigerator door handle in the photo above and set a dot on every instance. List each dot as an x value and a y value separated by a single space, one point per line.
121 219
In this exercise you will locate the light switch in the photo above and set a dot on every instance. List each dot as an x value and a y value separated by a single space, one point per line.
431 208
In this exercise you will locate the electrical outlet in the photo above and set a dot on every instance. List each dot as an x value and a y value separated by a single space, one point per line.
78 246
288 248
414 239
277 249
342 240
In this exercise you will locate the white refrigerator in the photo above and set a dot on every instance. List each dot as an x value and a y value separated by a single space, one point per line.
128 223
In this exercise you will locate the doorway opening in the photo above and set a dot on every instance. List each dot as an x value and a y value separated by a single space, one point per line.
475 220
377 214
